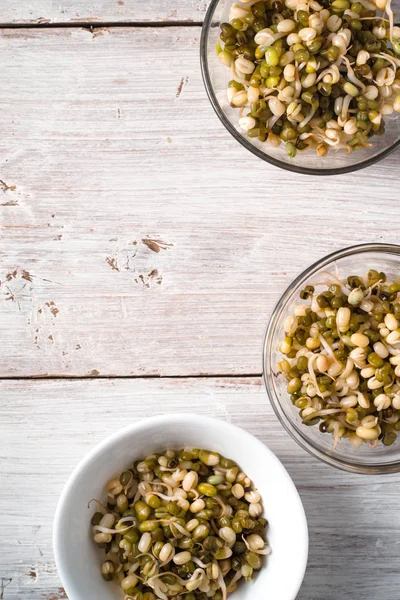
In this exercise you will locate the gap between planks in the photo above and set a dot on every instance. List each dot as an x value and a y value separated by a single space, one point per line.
98 376
106 24
101 24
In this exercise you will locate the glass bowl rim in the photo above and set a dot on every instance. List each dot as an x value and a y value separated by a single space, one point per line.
244 142
306 444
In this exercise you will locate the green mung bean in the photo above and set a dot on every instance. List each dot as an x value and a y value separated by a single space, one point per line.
303 65
184 510
355 373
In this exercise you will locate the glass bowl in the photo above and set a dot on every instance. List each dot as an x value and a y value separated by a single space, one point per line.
216 77
366 460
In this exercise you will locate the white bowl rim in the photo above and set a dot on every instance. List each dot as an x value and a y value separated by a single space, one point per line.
162 420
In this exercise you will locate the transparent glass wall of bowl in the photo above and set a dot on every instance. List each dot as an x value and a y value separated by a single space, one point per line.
221 75
357 264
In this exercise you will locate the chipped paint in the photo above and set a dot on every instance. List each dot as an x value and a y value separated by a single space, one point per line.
147 280
53 308
10 203
87 19
184 81
156 245
12 275
60 594
42 321
5 187
139 261
98 31
112 262
16 287
26 275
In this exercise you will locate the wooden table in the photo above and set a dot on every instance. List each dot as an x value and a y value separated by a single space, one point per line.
142 250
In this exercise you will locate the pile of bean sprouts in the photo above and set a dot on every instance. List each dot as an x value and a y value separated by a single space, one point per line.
312 74
185 525
342 357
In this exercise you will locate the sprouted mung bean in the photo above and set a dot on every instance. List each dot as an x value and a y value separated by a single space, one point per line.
342 358
185 525
313 74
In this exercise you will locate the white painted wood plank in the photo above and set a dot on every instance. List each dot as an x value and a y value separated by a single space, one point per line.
46 427
106 11
140 238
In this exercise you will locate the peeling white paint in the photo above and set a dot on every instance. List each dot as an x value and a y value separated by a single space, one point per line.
109 11
48 426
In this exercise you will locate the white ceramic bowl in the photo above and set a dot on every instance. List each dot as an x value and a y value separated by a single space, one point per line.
78 560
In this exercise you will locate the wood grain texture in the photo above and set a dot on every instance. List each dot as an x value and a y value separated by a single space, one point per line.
46 427
36 12
108 11
137 237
